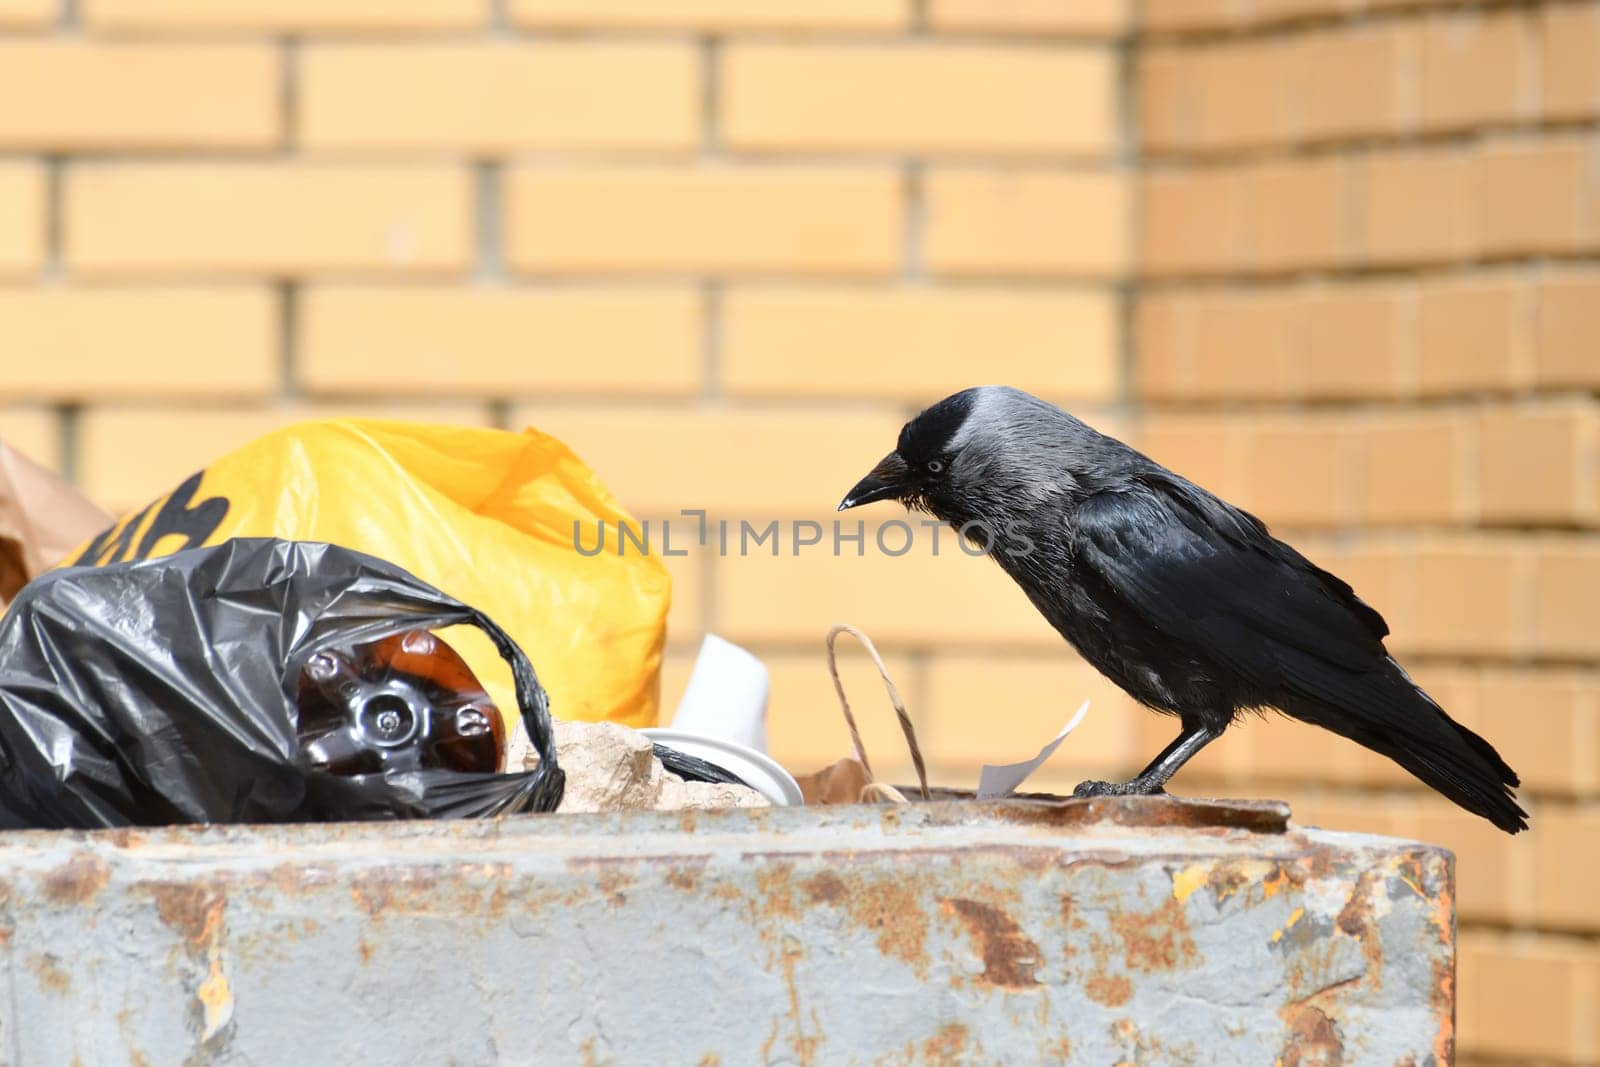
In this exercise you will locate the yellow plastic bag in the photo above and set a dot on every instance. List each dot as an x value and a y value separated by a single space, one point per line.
485 515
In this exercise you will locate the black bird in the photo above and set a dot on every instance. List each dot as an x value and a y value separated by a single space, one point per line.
1183 600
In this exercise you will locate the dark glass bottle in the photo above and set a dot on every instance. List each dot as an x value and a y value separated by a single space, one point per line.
401 703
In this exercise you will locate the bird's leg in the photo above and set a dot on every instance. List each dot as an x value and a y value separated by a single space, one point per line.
1153 779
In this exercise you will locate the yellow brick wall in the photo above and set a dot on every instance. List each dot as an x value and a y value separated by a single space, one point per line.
1367 307
1337 259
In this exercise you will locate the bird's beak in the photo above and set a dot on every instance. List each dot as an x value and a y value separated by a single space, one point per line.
886 480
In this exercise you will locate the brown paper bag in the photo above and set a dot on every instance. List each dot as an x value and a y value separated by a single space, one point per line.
42 518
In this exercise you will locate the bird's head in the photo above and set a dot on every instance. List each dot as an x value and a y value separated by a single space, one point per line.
954 453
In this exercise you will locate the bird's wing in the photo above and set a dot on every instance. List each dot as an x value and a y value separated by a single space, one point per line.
1208 574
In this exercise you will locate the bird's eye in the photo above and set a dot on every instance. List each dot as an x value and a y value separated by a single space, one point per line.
935 466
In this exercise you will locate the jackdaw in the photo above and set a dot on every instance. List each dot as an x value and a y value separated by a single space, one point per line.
1180 598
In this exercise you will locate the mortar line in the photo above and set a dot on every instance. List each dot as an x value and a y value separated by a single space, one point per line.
288 341
711 146
54 218
489 221
914 221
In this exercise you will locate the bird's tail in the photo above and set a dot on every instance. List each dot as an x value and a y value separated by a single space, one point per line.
1399 720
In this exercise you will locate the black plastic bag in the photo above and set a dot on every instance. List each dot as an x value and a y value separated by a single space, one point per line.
163 691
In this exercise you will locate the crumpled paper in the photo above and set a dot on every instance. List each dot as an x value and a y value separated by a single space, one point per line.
42 518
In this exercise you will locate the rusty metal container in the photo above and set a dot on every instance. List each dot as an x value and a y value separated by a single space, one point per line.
1135 930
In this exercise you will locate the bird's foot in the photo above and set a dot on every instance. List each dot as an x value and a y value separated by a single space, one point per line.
1135 788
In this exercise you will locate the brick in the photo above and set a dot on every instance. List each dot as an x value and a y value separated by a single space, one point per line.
723 219
1370 65
713 15
1169 83
1027 223
1468 595
1565 897
1177 15
1494 871
1547 724
1531 196
1385 575
1526 997
1033 698
1244 99
282 16
501 97
1568 323
1099 18
1295 214
93 343
938 98
806 730
1248 344
1295 472
424 341
1366 815
129 456
1206 449
1566 589
1473 335
27 14
1477 68
1419 206
1414 468
1569 41
266 218
904 600
755 465
35 432
61 95
1191 221
845 342
1356 341
22 218
1540 463
686 616
1278 749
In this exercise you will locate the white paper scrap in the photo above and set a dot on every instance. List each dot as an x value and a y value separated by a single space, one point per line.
1002 781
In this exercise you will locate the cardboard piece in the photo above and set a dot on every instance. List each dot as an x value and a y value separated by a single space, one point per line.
42 518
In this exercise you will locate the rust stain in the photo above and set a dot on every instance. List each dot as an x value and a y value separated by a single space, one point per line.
684 875
364 949
710 1059
1112 991
776 886
825 888
804 1044
1355 920
1010 958
893 912
947 1046
51 974
191 911
78 880
1156 940
1312 1041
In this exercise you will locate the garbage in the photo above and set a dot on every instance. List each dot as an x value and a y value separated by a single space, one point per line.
756 769
403 702
726 696
851 781
612 768
490 517
41 519
166 691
